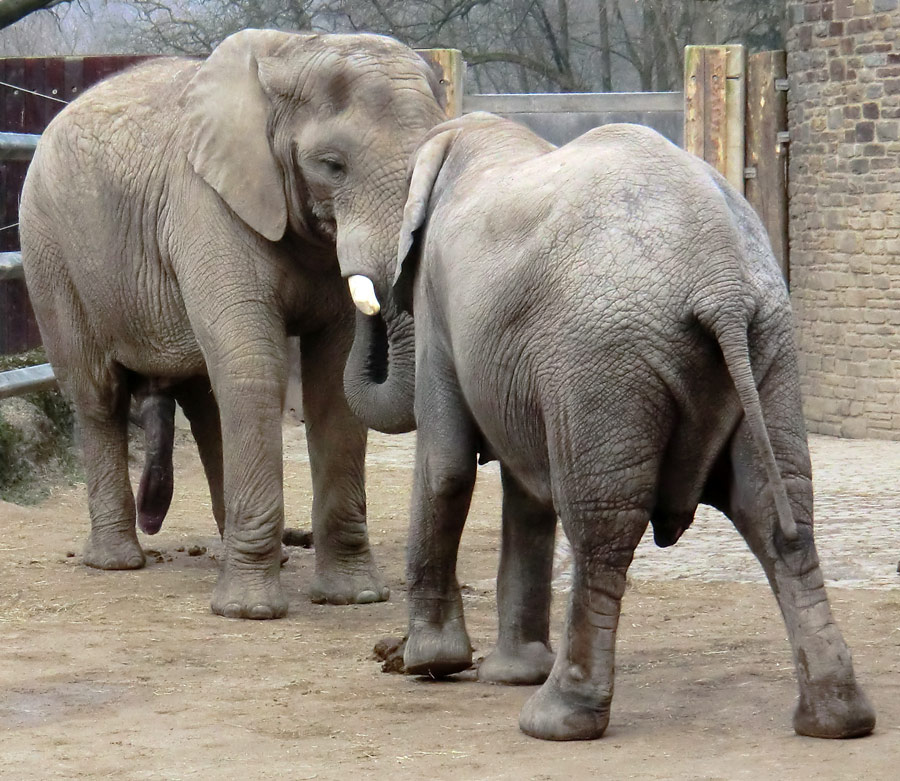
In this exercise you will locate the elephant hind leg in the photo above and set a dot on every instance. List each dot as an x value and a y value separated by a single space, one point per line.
604 505
102 414
574 703
99 392
831 704
196 399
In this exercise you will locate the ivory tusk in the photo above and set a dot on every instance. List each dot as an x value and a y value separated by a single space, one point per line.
363 293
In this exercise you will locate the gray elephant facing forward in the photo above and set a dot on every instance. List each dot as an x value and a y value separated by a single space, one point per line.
606 320
177 222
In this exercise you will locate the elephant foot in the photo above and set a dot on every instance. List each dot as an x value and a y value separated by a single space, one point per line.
357 586
834 711
551 714
523 665
255 595
437 650
119 551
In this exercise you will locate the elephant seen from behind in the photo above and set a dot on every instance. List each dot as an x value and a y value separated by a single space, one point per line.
178 222
607 320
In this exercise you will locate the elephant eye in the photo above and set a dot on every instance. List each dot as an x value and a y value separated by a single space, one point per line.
334 166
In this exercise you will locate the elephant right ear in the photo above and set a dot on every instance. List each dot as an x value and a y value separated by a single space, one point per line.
426 166
227 112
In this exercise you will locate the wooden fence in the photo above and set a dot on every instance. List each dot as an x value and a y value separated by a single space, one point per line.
32 91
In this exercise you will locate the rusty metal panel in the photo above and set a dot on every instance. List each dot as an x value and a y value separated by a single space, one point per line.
56 79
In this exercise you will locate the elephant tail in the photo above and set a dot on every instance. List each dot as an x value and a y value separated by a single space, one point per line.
157 414
731 334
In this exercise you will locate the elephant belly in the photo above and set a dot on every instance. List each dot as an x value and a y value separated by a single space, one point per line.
512 428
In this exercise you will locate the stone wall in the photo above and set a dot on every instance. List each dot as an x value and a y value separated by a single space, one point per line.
844 120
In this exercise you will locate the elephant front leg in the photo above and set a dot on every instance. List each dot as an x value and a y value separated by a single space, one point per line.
523 654
444 479
249 392
346 572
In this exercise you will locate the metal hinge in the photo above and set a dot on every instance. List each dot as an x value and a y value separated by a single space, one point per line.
782 85
750 172
783 140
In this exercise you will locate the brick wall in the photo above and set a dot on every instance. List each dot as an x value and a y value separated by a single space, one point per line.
844 119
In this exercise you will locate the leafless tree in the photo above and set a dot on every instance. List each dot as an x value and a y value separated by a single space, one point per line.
571 45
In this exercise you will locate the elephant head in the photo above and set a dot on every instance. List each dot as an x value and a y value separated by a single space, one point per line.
309 135
380 374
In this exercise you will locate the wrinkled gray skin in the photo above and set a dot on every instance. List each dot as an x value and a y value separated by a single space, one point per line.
178 221
606 320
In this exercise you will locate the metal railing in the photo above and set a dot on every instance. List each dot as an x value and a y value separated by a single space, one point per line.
31 379
17 146
20 147
11 266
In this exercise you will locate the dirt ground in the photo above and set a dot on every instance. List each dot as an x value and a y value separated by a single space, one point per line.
129 676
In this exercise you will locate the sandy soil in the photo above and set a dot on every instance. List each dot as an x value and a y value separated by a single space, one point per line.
129 676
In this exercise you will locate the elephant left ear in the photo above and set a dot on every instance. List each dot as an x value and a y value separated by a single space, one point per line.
227 112
426 167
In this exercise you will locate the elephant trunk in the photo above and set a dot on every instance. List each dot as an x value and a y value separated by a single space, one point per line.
380 374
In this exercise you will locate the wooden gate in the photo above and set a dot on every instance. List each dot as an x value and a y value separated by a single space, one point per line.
735 118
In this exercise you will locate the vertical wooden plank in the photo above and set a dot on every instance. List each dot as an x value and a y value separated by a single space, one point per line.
735 114
699 104
14 116
714 108
766 156
450 67
5 292
54 78
13 112
73 77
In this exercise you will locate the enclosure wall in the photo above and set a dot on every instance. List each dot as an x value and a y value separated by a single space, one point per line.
844 118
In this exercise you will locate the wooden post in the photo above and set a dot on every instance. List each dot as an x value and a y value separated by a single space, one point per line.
714 107
767 157
450 68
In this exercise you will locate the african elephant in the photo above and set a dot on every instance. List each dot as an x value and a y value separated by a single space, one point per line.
607 320
177 223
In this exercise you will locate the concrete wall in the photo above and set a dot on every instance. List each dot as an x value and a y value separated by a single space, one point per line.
844 173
